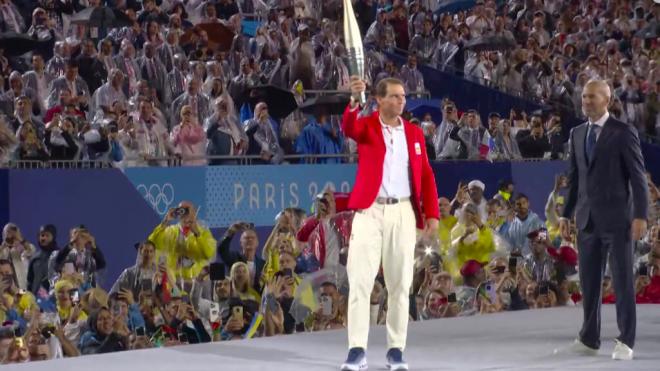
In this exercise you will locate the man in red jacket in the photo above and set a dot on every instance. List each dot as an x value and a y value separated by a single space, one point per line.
394 193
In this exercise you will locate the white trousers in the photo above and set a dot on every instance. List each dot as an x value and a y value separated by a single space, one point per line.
381 233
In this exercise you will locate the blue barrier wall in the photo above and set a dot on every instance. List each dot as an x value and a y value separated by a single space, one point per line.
230 193
104 200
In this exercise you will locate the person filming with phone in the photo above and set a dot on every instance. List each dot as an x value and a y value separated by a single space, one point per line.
188 245
80 259
248 253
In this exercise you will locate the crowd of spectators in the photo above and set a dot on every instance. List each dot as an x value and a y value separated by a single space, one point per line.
555 48
153 83
186 287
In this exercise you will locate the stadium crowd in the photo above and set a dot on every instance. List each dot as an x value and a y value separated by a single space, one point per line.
139 83
136 83
186 287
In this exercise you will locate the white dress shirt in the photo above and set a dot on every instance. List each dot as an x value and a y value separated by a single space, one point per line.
600 123
396 167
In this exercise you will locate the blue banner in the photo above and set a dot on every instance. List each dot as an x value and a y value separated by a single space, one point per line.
258 193
163 188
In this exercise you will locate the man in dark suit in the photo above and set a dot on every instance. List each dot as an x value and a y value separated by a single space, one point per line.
609 195
248 253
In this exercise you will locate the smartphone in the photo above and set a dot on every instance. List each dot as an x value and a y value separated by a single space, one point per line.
237 312
214 312
139 331
435 262
217 271
451 298
68 268
287 273
162 260
326 305
75 296
643 270
47 331
513 264
543 289
271 304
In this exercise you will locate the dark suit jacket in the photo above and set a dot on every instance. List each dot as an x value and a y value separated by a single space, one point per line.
231 257
611 190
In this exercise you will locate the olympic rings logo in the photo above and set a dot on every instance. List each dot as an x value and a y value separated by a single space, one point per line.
160 198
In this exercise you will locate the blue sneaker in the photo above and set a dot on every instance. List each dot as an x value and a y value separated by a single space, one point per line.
356 360
395 360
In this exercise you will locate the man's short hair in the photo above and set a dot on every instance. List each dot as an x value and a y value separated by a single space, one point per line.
381 87
71 63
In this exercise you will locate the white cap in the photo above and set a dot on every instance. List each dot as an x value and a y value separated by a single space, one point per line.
478 184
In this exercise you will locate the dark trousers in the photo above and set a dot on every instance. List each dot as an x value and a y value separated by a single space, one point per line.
594 248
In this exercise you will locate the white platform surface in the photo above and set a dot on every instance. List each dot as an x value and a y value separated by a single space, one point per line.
505 341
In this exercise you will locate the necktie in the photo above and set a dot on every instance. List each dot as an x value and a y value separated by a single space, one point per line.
591 142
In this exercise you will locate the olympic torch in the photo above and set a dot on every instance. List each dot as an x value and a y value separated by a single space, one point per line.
353 41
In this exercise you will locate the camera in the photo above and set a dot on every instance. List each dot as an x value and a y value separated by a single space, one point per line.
513 264
181 212
451 298
48 331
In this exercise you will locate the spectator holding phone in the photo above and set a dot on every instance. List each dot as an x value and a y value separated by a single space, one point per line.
320 231
248 253
81 257
241 283
14 302
332 313
106 333
123 305
554 207
140 276
188 246
473 275
185 314
18 251
523 223
471 239
437 305
69 310
278 298
37 276
539 263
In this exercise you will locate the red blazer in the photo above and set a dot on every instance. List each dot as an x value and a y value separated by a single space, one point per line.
368 134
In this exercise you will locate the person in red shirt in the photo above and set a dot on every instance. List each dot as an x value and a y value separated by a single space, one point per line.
394 193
